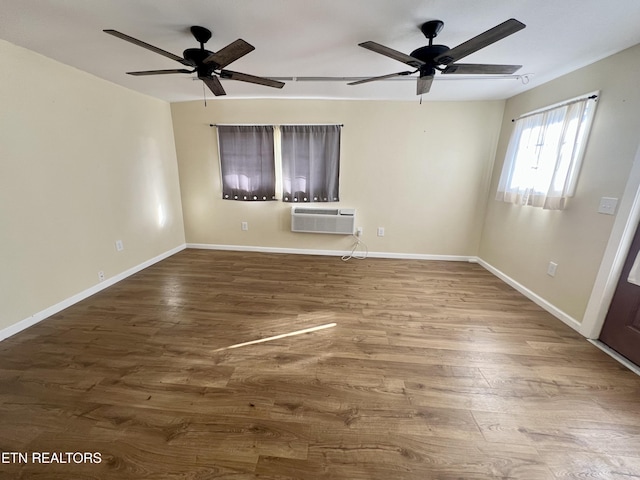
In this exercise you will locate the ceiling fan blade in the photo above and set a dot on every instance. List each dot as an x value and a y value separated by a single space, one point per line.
160 72
214 85
481 69
244 77
485 39
142 44
391 53
230 53
381 77
424 84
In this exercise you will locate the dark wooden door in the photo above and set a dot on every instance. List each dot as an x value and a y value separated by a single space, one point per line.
621 329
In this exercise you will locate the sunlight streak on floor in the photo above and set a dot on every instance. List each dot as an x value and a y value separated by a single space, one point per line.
277 337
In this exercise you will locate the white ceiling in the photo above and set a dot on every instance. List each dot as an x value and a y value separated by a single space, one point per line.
319 38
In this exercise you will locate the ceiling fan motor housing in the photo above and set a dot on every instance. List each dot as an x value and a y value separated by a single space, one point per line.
427 55
196 57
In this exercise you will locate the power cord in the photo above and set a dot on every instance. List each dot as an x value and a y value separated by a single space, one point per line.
354 251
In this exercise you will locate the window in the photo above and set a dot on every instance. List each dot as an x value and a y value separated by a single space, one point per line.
310 163
309 154
247 162
545 153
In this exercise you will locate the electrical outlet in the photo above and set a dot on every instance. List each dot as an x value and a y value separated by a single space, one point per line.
244 226
608 205
381 231
101 276
119 245
359 231
551 269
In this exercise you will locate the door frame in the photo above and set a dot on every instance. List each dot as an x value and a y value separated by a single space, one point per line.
615 254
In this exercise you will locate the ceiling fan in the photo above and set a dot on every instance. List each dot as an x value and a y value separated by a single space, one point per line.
431 58
208 65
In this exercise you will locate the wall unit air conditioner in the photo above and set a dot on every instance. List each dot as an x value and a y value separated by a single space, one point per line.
323 220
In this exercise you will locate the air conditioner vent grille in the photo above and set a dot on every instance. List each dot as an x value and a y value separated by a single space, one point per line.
323 220
317 211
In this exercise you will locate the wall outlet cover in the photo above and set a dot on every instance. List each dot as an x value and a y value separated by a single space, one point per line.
608 205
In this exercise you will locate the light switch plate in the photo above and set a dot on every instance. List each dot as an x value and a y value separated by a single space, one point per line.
608 205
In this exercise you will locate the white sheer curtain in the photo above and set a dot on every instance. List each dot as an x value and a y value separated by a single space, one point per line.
310 163
544 155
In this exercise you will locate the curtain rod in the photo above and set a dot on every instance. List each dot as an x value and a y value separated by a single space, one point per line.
558 105
271 125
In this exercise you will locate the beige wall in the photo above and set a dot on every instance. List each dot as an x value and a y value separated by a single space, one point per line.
419 171
83 163
521 241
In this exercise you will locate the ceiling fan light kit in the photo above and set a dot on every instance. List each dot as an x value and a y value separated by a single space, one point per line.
426 61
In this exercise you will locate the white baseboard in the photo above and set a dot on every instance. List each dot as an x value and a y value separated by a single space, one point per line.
332 253
534 297
616 356
58 307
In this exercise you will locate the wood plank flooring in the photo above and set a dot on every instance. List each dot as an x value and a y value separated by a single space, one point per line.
435 370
